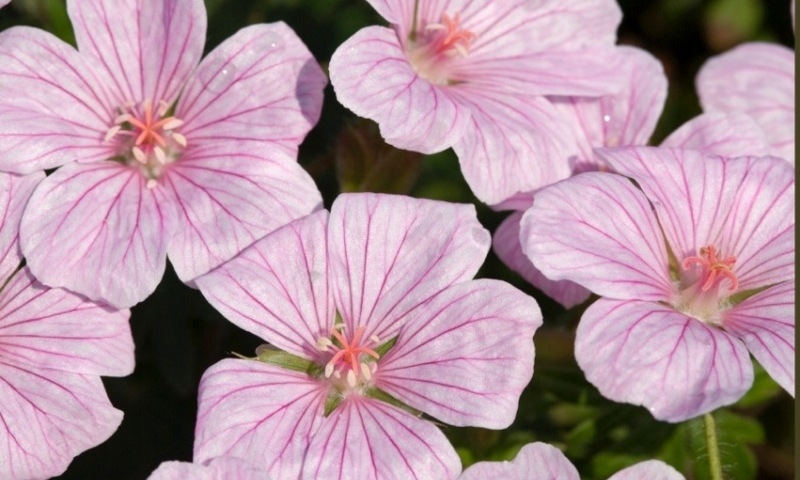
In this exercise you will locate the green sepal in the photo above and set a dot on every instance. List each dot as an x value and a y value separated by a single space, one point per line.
379 394
740 297
273 356
334 400
385 347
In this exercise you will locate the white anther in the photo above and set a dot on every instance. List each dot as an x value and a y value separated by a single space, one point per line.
151 184
112 132
160 155
375 339
435 26
460 49
329 370
173 124
122 118
323 343
351 378
162 108
179 139
366 371
139 155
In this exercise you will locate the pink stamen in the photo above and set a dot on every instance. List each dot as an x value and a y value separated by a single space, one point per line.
454 37
348 354
714 268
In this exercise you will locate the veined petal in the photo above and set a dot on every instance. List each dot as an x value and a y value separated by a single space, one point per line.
511 146
743 206
731 134
757 79
626 118
647 354
507 246
14 193
389 254
650 469
53 110
56 329
372 77
220 468
227 195
262 85
279 288
765 323
368 440
148 49
465 356
535 461
96 230
48 417
259 413
598 230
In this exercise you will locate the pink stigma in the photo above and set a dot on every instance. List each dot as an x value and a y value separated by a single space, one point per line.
714 268
452 36
348 354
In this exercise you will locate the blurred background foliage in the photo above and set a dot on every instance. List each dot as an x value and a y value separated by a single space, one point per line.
178 334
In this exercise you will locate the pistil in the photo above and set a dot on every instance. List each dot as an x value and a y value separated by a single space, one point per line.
351 357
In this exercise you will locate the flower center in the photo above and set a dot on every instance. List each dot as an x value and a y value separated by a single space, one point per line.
436 47
147 138
351 359
704 274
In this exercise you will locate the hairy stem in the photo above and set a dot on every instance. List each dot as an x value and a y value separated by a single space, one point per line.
714 463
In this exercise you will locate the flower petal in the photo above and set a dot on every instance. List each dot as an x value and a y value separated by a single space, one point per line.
765 323
14 193
647 354
650 469
465 356
535 461
227 196
279 288
261 85
598 230
53 110
743 206
507 246
148 49
731 134
367 439
259 413
512 146
56 329
372 77
389 254
219 468
95 229
48 417
757 79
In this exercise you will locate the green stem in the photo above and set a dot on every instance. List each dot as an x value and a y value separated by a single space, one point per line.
714 463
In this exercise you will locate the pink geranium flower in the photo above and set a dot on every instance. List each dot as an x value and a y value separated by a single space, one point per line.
376 320
161 156
54 345
627 118
696 268
472 75
757 79
540 461
221 468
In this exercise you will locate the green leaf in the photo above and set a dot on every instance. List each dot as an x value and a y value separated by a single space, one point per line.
763 390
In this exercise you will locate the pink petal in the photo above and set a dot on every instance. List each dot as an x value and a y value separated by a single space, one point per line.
220 468
56 329
626 118
47 417
14 193
651 470
148 49
279 288
465 357
3 3
508 248
227 196
367 439
759 80
511 146
598 230
95 229
647 354
389 254
372 77
259 413
744 207
731 134
53 109
765 323
262 84
535 461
